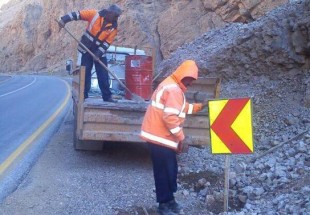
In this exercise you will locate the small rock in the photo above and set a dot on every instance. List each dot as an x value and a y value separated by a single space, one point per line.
275 143
232 183
232 175
258 191
209 199
306 190
240 167
242 198
218 196
185 192
203 192
202 182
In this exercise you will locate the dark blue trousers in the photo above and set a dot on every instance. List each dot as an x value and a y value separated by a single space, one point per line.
165 169
102 75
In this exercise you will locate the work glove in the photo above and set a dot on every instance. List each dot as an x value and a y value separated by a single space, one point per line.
204 103
182 147
61 23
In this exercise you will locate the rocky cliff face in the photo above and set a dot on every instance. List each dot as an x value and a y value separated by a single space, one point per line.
278 42
276 45
30 40
267 60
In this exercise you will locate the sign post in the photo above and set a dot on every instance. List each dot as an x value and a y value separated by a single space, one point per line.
230 131
226 191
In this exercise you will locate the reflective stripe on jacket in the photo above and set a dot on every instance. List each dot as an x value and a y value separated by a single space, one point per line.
98 35
165 115
95 23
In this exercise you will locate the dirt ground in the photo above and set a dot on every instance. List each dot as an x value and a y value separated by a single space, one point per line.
116 180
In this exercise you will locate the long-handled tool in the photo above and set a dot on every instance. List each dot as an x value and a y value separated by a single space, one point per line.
133 96
157 76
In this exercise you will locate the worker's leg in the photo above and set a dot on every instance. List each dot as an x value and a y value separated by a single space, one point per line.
165 170
87 61
103 79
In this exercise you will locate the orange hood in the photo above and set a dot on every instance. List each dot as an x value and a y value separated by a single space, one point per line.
187 69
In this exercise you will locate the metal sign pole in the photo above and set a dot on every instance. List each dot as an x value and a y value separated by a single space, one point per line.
230 119
226 191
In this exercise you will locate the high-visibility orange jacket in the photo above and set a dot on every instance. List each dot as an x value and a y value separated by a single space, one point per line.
163 120
99 34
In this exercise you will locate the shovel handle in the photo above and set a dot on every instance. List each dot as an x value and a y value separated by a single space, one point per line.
97 59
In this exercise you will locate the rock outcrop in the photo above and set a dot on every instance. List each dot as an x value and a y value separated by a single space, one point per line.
267 60
30 40
276 43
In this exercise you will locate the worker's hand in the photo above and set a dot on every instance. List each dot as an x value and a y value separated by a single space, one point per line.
61 24
205 103
185 148
182 147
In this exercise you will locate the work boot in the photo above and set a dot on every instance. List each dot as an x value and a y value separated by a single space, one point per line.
110 100
174 206
163 209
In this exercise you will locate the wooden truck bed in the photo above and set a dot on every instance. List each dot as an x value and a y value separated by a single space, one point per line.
97 122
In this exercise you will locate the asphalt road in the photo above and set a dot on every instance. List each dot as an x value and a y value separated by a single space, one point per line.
32 108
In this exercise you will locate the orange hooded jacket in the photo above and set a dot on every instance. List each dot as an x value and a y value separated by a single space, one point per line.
95 23
99 34
164 117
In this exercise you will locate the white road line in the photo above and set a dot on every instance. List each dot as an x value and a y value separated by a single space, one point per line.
5 80
7 163
34 80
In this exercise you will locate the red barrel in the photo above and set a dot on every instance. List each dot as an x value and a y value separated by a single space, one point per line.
139 75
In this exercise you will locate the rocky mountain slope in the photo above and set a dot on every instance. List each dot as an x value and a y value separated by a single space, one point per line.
30 40
268 60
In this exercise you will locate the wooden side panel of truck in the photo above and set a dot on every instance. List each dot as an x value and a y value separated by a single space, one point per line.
97 122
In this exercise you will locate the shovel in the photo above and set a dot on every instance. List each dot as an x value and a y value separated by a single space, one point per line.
133 96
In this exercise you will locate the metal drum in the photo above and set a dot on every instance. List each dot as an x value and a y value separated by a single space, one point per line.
139 75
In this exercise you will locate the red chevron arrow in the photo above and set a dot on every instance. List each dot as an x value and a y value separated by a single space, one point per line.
222 126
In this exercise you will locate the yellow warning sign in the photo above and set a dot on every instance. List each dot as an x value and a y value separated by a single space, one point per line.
231 126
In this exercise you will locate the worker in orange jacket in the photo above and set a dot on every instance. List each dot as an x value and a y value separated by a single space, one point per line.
100 33
162 128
